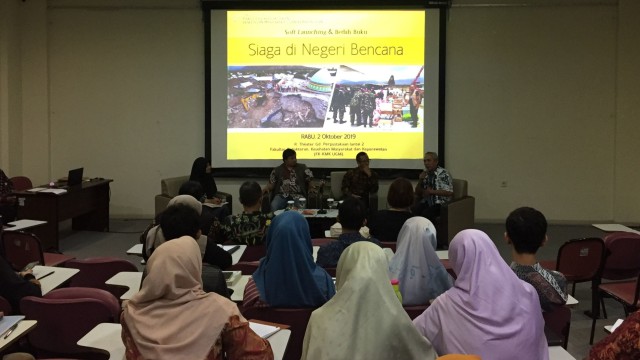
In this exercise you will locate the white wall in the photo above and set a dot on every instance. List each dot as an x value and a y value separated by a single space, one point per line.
542 97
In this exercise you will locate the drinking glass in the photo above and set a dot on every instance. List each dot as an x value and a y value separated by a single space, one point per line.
331 203
302 203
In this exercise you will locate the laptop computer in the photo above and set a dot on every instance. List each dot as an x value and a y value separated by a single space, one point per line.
75 177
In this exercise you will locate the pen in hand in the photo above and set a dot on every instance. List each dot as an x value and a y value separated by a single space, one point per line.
44 276
6 335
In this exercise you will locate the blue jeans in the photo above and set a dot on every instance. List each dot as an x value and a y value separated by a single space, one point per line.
279 202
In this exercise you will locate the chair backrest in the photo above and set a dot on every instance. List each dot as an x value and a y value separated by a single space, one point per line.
66 315
581 259
21 183
459 188
623 256
559 321
297 319
5 306
415 310
389 244
321 241
336 184
21 248
95 271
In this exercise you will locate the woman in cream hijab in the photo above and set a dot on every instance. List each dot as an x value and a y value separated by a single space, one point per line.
364 320
171 317
416 265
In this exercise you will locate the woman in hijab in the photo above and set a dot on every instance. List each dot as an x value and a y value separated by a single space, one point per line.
416 265
201 172
364 320
171 317
488 311
287 276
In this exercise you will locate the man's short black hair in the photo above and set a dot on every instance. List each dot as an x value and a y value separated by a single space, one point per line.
361 153
288 153
194 189
527 228
352 213
179 220
250 193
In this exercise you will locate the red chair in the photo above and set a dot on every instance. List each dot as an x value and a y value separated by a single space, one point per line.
94 272
622 262
321 241
66 315
21 248
579 260
559 321
253 253
297 319
5 307
625 292
21 183
415 310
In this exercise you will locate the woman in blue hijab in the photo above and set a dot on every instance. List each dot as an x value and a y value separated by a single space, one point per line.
287 276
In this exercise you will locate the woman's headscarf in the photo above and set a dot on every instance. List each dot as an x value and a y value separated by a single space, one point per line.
155 236
364 320
488 311
199 174
171 317
416 265
287 275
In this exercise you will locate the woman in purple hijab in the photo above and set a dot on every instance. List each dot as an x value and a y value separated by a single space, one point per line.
488 311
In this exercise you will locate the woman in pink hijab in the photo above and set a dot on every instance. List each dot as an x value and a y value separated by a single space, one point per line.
488 311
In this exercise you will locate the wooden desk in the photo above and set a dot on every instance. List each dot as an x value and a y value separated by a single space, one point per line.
135 250
130 279
235 257
106 337
238 288
24 326
59 276
86 204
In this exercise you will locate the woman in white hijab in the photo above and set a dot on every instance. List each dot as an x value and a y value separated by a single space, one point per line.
416 265
171 317
364 320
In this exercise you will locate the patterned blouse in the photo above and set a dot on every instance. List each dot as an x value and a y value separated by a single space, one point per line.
622 344
551 286
242 229
236 341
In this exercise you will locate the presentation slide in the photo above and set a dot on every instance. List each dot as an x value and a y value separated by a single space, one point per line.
327 83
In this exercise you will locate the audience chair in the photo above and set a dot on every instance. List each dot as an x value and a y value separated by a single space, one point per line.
625 292
5 307
415 310
94 272
21 183
579 260
297 319
66 315
254 253
321 241
622 263
389 244
21 248
559 321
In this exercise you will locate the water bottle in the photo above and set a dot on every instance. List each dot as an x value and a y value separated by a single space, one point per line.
396 287
290 205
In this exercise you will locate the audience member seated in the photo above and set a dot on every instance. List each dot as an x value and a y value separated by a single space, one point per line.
364 320
361 181
352 216
526 233
201 172
287 276
386 224
16 285
488 311
181 220
289 181
623 343
209 212
416 265
171 317
7 200
211 252
248 228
